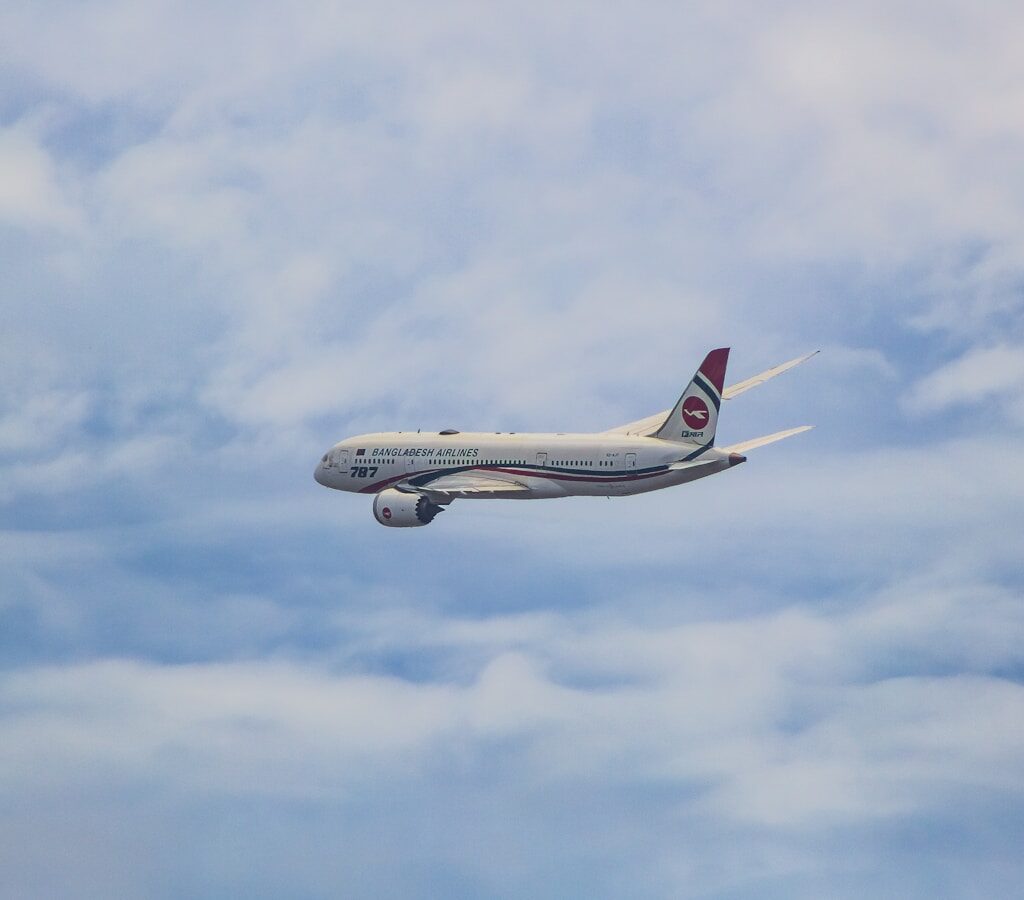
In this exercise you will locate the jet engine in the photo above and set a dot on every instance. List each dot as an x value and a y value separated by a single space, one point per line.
402 509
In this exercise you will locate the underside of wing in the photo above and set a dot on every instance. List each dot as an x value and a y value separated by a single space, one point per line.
465 484
647 426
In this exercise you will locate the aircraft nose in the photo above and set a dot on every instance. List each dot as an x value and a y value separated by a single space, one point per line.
319 475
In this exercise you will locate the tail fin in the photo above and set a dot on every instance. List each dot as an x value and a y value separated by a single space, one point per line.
695 417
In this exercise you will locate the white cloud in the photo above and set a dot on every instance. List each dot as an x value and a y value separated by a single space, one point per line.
178 191
982 376
475 173
31 194
62 467
777 717
40 419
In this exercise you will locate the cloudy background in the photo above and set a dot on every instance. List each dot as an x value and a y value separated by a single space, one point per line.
232 234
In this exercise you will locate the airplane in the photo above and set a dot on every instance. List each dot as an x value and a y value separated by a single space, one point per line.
415 475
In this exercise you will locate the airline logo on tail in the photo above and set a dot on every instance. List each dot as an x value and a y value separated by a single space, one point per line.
695 413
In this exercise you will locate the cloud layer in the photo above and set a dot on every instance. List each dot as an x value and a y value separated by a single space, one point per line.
232 236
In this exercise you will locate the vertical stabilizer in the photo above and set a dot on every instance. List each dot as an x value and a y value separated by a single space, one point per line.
695 417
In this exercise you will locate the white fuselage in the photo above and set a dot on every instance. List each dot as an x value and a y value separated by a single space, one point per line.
549 465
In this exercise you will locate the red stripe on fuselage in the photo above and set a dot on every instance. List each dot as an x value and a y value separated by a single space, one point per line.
559 476
528 473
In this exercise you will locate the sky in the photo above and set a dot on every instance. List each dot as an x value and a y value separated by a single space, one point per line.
233 234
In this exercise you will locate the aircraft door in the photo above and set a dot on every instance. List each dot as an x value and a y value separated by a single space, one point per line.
630 460
339 459
542 459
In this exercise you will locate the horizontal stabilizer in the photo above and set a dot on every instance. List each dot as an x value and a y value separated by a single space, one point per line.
754 443
693 463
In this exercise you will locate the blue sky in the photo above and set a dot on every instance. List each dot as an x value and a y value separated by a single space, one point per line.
232 235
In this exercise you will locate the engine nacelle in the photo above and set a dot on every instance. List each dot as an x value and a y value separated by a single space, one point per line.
402 509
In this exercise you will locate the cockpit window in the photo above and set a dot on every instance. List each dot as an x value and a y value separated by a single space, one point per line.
337 458
324 459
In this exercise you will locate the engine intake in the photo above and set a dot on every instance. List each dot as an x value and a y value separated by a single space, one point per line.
404 509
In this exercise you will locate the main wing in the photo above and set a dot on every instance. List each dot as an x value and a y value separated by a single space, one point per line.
446 488
647 426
